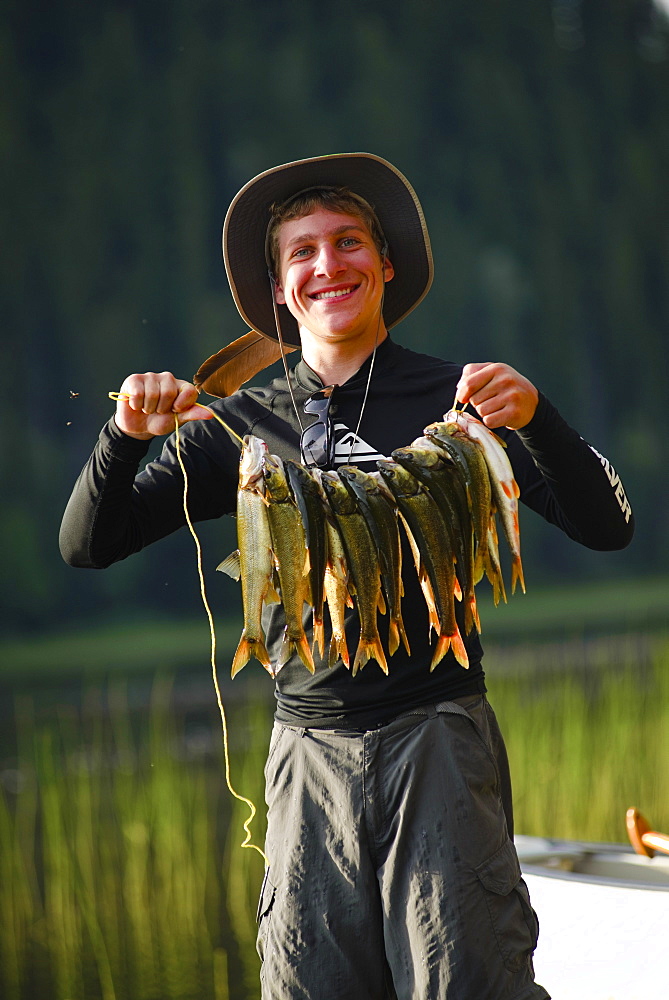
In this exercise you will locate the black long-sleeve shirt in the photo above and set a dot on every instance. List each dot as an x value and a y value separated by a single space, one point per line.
114 512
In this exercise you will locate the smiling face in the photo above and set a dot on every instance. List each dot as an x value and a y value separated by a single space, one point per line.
331 277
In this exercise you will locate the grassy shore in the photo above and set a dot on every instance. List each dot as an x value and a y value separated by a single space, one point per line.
121 871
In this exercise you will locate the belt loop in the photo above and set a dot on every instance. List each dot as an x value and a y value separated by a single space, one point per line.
302 732
432 712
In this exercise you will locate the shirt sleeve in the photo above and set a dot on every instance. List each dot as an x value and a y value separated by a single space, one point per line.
114 510
569 483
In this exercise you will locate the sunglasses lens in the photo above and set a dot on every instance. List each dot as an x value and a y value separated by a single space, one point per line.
314 445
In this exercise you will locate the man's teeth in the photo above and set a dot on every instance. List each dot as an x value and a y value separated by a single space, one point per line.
333 295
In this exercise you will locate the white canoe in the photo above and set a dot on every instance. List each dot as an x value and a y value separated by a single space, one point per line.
603 916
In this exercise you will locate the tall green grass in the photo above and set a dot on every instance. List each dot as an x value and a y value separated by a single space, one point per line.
588 742
121 874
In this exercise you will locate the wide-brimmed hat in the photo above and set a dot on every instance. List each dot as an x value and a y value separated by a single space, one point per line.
378 182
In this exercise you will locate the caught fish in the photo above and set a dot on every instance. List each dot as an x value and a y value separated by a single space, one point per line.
432 466
380 512
337 594
437 557
363 565
312 503
290 550
468 457
504 486
253 560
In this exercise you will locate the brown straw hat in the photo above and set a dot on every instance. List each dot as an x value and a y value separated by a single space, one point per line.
378 182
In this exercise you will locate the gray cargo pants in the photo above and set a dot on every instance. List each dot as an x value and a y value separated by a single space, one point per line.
392 874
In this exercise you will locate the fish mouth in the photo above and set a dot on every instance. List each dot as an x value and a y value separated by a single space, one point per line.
330 294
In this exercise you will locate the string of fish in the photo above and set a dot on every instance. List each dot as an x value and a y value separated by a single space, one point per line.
316 537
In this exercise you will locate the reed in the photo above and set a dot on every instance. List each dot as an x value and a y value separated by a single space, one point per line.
587 743
121 874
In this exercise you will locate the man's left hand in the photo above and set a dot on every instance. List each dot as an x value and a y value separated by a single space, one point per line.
501 396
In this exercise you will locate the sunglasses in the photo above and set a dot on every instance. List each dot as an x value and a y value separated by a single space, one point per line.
317 440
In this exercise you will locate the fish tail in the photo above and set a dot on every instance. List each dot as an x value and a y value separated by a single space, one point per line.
248 648
319 635
454 642
338 648
301 647
395 633
442 647
517 575
369 649
295 644
459 651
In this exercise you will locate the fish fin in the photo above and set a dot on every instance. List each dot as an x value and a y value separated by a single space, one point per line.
440 650
318 634
479 567
396 632
381 604
369 650
494 574
517 575
393 637
413 545
223 373
339 649
457 590
428 594
454 642
231 565
271 595
301 647
248 648
472 619
458 647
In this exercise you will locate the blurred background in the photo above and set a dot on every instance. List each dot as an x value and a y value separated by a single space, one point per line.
536 134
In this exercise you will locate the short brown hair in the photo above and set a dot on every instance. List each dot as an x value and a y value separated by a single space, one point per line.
335 199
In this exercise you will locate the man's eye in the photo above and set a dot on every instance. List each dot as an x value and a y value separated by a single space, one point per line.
302 252
349 241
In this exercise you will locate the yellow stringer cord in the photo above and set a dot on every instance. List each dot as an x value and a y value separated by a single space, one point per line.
247 842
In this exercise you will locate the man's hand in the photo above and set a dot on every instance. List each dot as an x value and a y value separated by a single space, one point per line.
501 396
153 402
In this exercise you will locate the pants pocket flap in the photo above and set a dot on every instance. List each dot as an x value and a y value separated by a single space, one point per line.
501 872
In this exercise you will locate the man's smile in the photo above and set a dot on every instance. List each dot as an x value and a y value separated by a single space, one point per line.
334 293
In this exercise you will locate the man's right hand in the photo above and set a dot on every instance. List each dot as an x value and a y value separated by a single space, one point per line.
153 402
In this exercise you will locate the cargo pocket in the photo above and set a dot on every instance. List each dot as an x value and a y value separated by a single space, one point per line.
265 904
513 920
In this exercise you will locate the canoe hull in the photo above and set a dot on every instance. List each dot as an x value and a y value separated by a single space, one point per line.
603 912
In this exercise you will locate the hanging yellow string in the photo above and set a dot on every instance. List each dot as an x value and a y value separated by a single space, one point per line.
247 842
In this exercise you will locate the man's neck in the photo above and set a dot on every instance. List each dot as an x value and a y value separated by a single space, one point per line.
334 363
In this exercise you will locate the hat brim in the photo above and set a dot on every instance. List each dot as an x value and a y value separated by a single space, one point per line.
378 182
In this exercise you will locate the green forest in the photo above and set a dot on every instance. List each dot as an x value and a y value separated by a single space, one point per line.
535 132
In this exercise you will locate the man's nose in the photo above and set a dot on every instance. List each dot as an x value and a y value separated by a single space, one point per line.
328 261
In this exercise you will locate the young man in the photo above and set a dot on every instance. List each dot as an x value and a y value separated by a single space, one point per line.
392 871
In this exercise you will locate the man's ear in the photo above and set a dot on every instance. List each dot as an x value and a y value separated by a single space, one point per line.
388 270
278 294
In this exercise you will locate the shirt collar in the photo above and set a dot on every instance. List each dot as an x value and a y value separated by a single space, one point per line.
386 353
